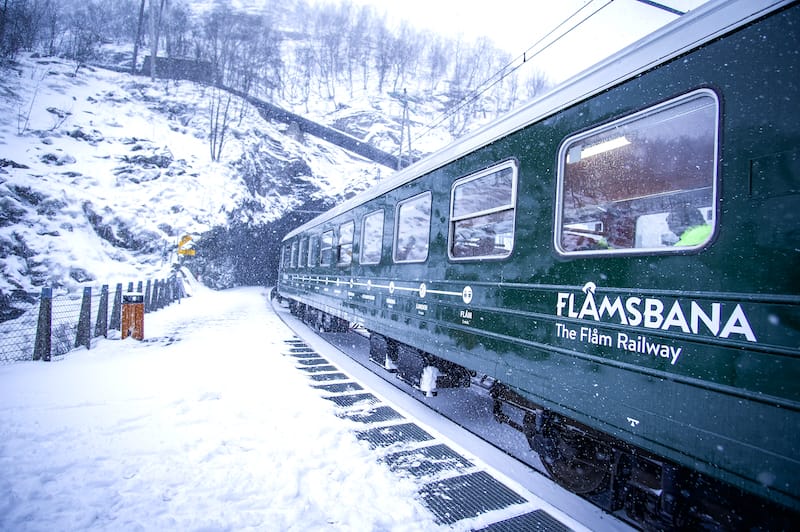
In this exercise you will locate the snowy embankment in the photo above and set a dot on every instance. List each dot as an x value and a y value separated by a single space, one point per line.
204 425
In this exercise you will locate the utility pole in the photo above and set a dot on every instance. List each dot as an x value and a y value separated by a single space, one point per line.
406 123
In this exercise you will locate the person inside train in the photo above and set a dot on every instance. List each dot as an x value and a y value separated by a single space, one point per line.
688 225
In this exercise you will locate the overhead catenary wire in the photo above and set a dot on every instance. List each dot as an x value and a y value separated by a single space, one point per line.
531 52
513 65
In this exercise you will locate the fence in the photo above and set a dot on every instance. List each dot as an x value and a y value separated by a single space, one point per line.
65 322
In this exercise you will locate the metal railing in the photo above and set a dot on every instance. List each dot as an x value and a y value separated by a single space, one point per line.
66 321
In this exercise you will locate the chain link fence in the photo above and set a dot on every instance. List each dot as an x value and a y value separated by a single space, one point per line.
58 323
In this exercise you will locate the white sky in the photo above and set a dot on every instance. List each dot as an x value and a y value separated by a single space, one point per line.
515 25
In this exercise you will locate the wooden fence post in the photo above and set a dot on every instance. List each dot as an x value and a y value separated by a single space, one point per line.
147 297
83 336
41 349
116 310
101 325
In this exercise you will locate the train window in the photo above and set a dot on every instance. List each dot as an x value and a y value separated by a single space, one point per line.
644 183
482 213
345 249
326 248
412 229
302 254
294 254
371 237
313 253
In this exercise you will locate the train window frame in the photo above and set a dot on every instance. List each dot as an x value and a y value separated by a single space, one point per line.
302 253
508 209
326 247
367 249
399 224
313 244
344 249
294 254
656 234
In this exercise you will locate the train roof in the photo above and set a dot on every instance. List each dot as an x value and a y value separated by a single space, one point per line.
699 26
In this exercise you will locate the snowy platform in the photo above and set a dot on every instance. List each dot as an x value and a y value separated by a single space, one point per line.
455 489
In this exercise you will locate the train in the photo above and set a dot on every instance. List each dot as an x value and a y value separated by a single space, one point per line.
618 260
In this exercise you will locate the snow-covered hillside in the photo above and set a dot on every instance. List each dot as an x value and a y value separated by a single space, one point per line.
101 172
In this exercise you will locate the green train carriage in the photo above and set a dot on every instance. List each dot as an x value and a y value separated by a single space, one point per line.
620 256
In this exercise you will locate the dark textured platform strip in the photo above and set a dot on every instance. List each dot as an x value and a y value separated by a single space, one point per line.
313 361
377 415
339 387
329 377
470 495
294 341
300 349
310 354
536 521
318 369
386 436
350 400
427 461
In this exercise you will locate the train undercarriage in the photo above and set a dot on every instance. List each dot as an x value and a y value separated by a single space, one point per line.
629 482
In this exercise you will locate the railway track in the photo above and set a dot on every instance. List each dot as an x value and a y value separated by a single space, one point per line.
473 473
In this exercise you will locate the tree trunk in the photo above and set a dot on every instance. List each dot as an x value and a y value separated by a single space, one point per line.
137 37
153 38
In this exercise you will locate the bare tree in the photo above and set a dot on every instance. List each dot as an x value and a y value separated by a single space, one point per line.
331 27
137 37
405 52
218 120
438 59
536 84
383 51
305 61
177 28
359 45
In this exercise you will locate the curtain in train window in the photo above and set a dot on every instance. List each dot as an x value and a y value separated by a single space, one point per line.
412 229
294 254
326 249
345 249
371 238
643 183
482 210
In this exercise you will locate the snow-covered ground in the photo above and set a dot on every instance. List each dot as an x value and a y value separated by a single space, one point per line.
202 426
101 173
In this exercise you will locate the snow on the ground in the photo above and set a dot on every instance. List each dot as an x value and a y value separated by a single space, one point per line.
202 426
101 173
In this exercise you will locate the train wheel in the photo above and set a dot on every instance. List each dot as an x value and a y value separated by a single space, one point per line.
582 465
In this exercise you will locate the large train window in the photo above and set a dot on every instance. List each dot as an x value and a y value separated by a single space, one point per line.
412 229
345 248
644 183
482 213
371 238
326 248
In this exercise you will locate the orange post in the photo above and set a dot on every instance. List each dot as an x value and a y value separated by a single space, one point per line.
133 315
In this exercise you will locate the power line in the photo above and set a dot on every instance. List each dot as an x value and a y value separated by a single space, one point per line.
666 8
510 68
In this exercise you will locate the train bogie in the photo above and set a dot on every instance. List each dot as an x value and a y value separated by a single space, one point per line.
619 259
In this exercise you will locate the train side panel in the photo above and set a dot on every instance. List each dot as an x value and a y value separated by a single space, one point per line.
690 353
